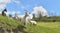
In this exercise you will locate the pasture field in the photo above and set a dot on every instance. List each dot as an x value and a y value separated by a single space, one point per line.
44 27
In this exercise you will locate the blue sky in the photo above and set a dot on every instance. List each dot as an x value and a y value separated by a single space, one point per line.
52 6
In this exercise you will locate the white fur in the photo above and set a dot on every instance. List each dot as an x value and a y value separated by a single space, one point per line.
34 22
28 20
5 12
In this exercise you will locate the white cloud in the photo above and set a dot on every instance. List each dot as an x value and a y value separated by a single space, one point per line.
5 1
16 1
8 1
13 12
40 9
2 6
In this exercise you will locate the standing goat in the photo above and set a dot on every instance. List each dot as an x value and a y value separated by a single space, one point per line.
28 19
23 19
4 12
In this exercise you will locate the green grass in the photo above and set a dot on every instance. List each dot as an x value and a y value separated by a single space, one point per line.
47 27
8 23
41 27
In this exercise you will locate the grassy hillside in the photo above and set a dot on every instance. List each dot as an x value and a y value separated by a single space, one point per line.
8 23
41 27
44 28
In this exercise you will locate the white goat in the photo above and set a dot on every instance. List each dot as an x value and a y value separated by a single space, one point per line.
28 20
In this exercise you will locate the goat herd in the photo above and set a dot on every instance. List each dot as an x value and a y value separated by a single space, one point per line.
25 19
